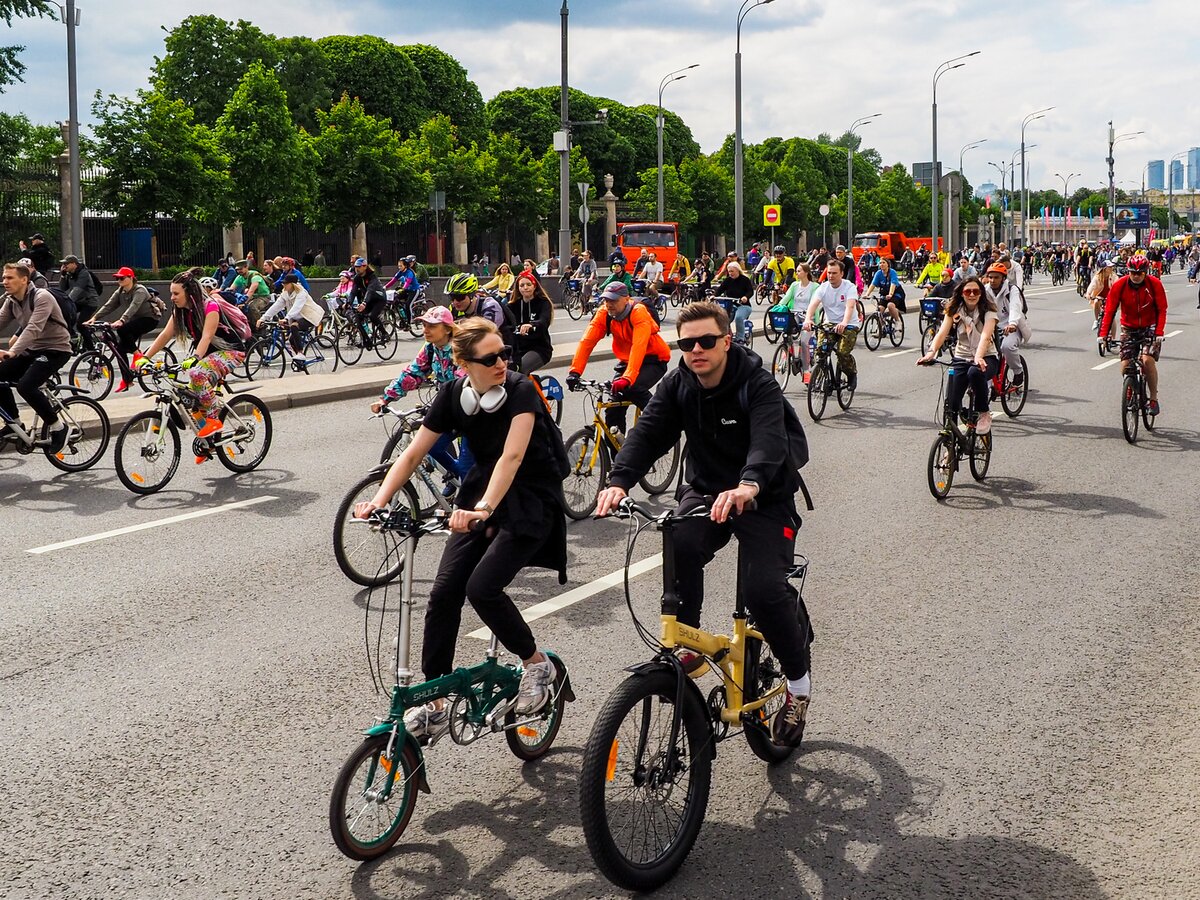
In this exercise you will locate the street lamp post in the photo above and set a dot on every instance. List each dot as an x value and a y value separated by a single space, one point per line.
738 210
1066 180
72 22
970 146
850 176
1033 116
941 70
1002 168
658 124
1113 140
563 145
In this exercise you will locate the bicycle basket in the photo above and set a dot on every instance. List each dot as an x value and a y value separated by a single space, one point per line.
782 320
930 308
574 284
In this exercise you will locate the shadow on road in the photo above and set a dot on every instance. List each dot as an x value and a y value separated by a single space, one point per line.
1017 493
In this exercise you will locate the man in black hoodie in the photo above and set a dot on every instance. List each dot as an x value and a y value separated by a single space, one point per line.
733 413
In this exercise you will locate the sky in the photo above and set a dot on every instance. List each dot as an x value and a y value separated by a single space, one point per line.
808 67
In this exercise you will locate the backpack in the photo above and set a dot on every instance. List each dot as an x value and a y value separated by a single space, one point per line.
66 307
797 440
233 318
96 283
649 307
156 301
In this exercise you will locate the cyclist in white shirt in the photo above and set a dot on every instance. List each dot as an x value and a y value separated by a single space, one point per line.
652 274
838 297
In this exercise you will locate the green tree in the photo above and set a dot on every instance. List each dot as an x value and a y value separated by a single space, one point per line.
306 78
22 141
367 173
549 189
711 189
463 171
518 176
271 164
450 91
677 197
12 69
525 114
205 60
155 159
379 74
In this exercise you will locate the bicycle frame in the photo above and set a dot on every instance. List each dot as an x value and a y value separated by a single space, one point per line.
29 441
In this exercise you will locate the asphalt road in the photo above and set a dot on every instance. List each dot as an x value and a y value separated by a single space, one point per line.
1004 699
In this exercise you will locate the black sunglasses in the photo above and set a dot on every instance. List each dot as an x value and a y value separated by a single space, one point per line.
706 342
490 359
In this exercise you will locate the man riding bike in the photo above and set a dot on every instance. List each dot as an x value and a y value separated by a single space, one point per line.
781 270
1143 304
837 297
1013 326
735 418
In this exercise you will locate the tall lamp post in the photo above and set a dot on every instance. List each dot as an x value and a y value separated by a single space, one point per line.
1171 193
1066 180
1003 169
1113 140
658 124
1032 117
850 177
966 147
562 143
738 210
71 17
941 70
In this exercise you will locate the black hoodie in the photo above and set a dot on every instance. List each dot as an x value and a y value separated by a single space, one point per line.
733 435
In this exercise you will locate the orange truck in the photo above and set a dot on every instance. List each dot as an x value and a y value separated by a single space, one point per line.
889 244
659 238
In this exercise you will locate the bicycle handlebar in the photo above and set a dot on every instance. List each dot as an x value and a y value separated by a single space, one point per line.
628 508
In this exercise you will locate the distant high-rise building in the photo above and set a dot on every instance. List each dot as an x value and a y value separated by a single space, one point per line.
1155 180
987 189
1177 174
1193 174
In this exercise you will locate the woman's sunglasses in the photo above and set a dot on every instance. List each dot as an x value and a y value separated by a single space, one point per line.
491 358
972 292
706 342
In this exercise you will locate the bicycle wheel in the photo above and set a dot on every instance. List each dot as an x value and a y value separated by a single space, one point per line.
349 344
265 358
896 335
818 393
1102 347
366 821
164 359
1013 397
763 674
781 365
320 355
87 435
588 475
532 738
873 331
770 332
642 801
942 459
147 451
862 310
981 455
574 306
93 372
845 396
416 309
367 556
927 337
252 433
662 473
386 340
1147 418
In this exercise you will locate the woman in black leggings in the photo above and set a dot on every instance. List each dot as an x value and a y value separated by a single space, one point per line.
532 314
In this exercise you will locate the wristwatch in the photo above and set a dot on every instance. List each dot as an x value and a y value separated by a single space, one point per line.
484 506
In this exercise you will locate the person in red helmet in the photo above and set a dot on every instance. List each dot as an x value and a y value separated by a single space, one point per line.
1143 304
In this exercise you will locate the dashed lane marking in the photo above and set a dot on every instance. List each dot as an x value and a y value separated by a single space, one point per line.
900 352
1117 359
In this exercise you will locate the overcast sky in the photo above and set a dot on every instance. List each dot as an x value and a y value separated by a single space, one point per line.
808 66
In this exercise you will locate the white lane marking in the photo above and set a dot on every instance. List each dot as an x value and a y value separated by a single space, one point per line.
1080 311
1173 333
170 520
900 352
562 601
1105 365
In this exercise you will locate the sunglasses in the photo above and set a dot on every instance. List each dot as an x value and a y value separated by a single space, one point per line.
974 292
706 342
491 359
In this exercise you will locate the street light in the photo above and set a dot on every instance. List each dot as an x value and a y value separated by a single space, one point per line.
1004 170
1033 116
658 123
966 147
941 70
738 211
1012 172
1066 180
850 176
562 143
71 18
1113 140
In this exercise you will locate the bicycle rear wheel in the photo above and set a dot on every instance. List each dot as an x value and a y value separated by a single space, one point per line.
942 459
781 365
642 801
252 436
93 372
87 435
1147 417
364 823
366 556
763 674
387 340
532 740
981 455
417 309
1012 397
320 355
896 335
845 395
349 344
589 473
662 473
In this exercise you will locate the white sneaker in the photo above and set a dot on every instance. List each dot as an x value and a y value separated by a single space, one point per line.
535 688
427 721
984 425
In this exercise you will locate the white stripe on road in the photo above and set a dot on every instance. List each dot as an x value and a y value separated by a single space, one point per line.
562 601
1173 333
900 352
170 520
1080 311
1105 365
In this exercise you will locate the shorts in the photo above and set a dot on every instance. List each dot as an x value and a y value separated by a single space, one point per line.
901 306
1133 338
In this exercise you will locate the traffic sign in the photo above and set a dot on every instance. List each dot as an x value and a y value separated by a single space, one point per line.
582 187
773 193
772 214
584 214
824 210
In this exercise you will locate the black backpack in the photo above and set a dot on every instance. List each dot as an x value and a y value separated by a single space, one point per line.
558 449
797 440
66 307
96 283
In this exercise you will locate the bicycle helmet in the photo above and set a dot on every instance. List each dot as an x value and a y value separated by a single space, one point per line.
208 284
410 259
462 283
1139 263
779 248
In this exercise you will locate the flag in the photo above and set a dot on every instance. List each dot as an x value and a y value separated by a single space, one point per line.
987 202
1068 217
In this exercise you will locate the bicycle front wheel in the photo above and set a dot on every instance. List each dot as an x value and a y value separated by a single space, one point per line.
927 337
662 473
1013 396
589 473
873 332
770 332
87 435
93 372
641 800
818 390
265 358
349 344
781 365
367 556
251 438
366 817
942 457
147 451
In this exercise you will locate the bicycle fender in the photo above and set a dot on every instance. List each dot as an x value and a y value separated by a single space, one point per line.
386 727
381 468
567 691
655 665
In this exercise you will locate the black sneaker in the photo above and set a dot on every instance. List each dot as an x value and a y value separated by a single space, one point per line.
787 729
1018 380
852 382
58 439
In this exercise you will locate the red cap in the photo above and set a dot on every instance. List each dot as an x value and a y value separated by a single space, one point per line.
124 272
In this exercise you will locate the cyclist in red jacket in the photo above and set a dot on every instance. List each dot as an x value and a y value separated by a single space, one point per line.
1143 305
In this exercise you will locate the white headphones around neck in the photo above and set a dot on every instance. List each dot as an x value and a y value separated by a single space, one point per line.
472 403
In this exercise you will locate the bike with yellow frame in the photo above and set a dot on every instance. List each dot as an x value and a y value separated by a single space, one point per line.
647 764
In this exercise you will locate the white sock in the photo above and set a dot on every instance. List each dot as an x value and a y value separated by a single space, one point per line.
58 426
800 687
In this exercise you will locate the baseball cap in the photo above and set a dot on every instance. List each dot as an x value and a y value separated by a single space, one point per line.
241 264
437 315
1108 264
123 272
615 291
69 259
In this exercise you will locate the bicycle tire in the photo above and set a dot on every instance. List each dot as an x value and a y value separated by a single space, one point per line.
366 557
349 344
873 331
532 740
654 692
770 332
1144 400
263 356
981 455
586 479
417 309
845 396
658 479
818 397
1013 399
256 417
940 471
370 752
143 425
781 365
94 372
927 337
320 355
762 673
90 432
387 341
896 335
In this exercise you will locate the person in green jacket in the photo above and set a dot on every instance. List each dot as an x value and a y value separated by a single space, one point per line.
618 274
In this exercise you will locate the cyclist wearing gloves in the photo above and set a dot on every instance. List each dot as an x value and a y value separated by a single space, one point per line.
641 353
532 314
837 296
302 312
514 489
974 316
740 442
41 347
1143 304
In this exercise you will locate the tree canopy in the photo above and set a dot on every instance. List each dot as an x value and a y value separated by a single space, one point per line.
12 69
381 75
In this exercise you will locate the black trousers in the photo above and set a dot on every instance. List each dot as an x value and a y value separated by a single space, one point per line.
30 371
129 333
969 375
651 373
766 546
476 567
